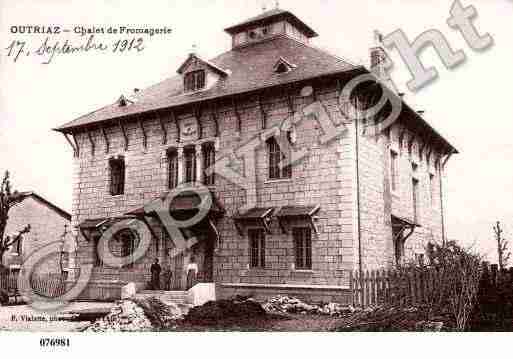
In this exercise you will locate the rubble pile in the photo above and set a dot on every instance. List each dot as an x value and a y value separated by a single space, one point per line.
160 315
225 309
285 304
131 316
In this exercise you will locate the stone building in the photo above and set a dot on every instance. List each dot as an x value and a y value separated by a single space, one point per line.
48 223
350 202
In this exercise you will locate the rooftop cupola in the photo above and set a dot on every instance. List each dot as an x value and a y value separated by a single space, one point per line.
267 25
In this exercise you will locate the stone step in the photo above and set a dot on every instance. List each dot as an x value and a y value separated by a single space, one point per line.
176 297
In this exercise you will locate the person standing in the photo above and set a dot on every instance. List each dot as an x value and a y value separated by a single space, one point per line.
155 274
192 271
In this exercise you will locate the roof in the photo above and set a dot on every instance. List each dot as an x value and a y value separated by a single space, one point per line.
27 194
208 63
251 69
271 16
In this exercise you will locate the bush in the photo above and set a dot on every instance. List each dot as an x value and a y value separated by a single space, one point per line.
4 297
458 281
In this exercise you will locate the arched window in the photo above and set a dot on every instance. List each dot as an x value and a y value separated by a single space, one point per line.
117 176
275 156
172 166
190 164
194 80
129 241
209 158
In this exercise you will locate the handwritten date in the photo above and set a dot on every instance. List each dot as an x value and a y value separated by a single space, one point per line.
48 49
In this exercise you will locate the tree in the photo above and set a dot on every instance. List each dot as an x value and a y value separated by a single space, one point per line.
502 246
8 199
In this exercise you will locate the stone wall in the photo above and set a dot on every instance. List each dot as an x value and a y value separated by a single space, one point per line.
327 176
46 226
379 201
324 177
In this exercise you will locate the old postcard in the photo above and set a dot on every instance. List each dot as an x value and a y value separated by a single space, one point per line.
201 166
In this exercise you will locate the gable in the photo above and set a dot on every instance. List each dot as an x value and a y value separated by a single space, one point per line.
194 63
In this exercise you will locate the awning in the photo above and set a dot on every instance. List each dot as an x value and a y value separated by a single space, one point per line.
287 213
261 216
183 206
400 225
98 226
401 221
184 202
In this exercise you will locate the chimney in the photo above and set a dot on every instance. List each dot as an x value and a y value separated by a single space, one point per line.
379 61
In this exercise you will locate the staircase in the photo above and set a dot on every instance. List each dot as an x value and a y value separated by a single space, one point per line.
177 297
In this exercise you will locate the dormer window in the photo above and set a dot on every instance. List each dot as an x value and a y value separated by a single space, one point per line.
283 66
194 80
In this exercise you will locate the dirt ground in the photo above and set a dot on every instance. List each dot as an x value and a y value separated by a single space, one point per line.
24 318
272 322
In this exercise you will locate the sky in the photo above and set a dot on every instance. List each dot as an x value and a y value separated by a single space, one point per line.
470 105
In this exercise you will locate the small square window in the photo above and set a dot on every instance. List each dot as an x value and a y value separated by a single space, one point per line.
194 80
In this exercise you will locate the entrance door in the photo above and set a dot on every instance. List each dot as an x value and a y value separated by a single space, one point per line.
176 265
208 262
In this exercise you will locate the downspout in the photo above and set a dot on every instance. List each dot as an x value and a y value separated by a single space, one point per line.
440 166
358 219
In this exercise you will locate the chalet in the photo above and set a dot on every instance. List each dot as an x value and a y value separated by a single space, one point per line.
356 202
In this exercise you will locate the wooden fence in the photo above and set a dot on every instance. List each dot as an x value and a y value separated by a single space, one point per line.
425 285
49 285
9 283
401 287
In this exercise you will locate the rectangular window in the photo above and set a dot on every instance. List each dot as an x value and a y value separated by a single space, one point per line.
303 247
97 262
172 165
415 193
18 247
275 157
256 248
419 258
398 245
393 170
432 188
117 176
209 158
190 165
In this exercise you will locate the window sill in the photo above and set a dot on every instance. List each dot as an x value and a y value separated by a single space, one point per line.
280 180
303 271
